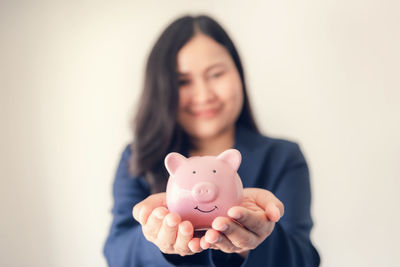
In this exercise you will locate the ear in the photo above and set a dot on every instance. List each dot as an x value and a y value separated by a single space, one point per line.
232 157
173 161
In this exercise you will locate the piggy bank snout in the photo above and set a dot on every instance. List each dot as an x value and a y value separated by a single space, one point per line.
204 192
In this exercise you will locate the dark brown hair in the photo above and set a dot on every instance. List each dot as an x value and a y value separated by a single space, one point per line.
155 128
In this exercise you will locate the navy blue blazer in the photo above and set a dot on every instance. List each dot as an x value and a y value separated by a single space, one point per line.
273 164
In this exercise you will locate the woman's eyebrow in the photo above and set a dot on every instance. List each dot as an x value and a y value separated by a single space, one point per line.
215 65
181 74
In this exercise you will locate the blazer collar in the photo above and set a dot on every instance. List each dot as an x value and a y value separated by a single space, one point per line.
252 146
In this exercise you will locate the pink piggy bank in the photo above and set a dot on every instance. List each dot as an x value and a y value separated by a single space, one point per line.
201 188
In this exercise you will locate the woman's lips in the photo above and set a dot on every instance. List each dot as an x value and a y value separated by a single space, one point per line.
206 113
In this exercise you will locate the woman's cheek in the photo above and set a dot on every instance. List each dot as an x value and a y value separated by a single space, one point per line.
183 98
231 94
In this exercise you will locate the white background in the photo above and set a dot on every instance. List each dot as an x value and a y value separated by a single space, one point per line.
322 73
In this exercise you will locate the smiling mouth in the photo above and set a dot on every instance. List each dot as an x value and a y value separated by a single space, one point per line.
206 113
205 211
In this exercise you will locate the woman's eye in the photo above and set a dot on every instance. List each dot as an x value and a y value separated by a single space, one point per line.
216 74
183 82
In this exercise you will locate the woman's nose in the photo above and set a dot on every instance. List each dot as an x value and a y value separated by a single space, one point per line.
203 92
204 192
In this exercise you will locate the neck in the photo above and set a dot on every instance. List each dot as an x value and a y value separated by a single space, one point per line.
215 145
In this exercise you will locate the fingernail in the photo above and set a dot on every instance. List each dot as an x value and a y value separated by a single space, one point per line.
182 230
218 239
234 215
141 214
171 222
159 214
136 213
223 227
213 241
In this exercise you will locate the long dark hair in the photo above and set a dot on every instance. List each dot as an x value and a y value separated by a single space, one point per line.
155 128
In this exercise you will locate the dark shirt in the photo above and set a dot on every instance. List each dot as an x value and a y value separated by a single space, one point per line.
273 164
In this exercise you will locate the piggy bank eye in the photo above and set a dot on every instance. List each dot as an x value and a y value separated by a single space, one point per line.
214 171
194 172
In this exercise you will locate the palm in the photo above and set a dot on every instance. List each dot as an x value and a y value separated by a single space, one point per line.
262 201
250 200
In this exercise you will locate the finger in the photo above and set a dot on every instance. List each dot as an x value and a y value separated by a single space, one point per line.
184 235
153 224
212 236
220 241
167 235
194 245
255 222
239 236
204 244
265 197
225 245
143 209
272 212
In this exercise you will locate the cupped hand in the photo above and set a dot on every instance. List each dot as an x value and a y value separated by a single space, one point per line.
247 225
165 229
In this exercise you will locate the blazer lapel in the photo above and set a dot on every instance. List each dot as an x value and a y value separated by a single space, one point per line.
253 147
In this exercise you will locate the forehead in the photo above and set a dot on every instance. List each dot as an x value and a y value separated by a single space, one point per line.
200 53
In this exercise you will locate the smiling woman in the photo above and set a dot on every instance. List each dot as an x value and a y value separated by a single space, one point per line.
195 103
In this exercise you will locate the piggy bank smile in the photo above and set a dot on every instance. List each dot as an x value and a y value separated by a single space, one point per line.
206 211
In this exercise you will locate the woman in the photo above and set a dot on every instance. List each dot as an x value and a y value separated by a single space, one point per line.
195 102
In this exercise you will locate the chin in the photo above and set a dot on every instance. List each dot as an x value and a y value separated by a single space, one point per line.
203 133
207 131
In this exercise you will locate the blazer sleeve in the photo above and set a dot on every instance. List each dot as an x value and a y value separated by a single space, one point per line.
126 246
289 244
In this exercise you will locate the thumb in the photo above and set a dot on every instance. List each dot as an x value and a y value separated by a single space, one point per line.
272 206
142 210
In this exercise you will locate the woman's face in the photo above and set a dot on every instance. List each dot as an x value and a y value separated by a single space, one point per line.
210 89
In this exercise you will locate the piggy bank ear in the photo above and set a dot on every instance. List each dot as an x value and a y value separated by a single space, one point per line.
232 157
173 161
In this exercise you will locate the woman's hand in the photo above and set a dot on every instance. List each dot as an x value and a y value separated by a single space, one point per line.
164 229
248 225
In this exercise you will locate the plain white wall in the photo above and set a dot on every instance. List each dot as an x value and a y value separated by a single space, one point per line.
322 73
